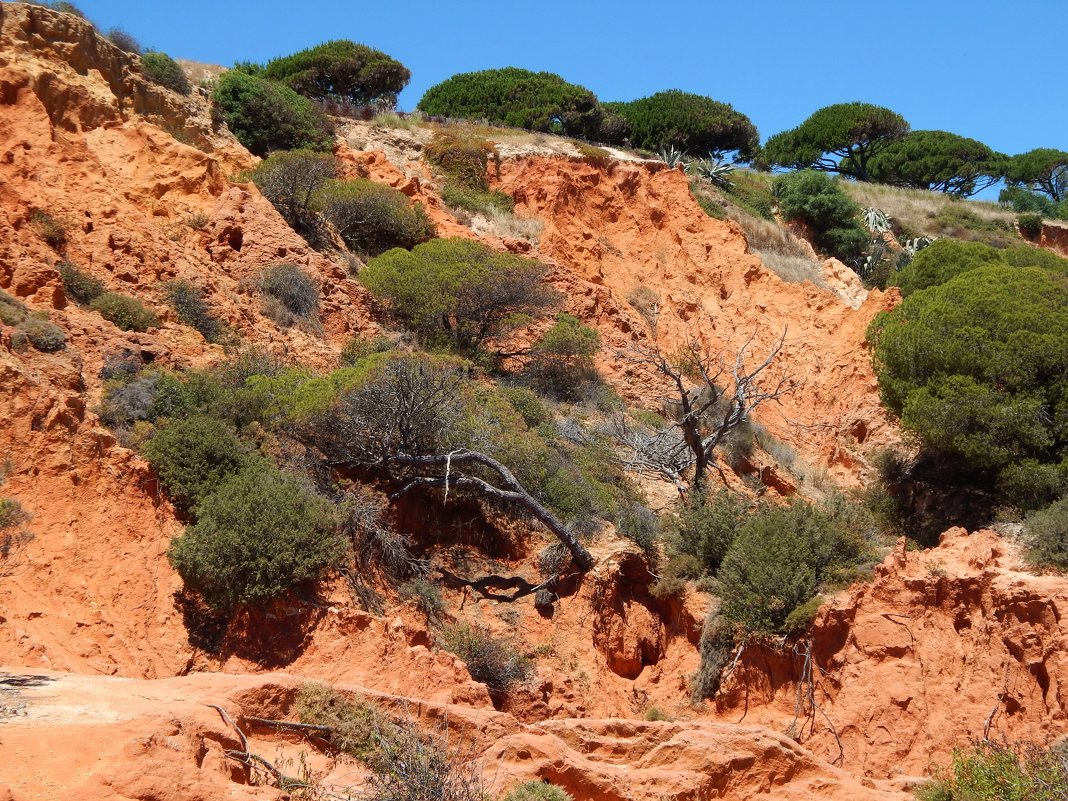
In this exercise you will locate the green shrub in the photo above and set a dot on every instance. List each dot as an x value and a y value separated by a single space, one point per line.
357 349
537 101
457 289
1030 225
265 115
79 284
372 217
426 597
534 411
537 791
705 527
127 313
193 456
691 123
165 71
976 367
124 40
1029 484
50 228
991 772
463 159
489 660
782 555
477 201
1025 201
819 202
12 310
940 261
258 535
561 361
188 301
43 335
1047 535
355 724
341 69
290 179
289 294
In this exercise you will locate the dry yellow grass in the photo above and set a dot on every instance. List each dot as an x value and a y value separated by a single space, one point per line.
919 210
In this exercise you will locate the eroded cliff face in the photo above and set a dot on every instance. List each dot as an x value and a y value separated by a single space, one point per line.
617 228
942 647
86 139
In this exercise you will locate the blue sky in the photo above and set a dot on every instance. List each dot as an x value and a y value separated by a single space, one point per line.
1000 77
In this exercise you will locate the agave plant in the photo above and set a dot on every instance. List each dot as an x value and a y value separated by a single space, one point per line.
876 220
672 156
714 170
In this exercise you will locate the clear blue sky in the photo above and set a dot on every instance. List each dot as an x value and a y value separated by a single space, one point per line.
1000 76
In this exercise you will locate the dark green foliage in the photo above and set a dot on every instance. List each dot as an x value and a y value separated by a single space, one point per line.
842 138
691 123
50 228
491 661
289 294
1047 534
704 529
266 116
782 555
1030 485
127 313
188 301
79 284
1030 225
533 409
537 101
372 217
537 791
991 772
818 201
1042 170
290 179
457 288
193 456
164 70
942 260
939 161
753 192
561 361
43 335
341 69
124 40
258 535
978 366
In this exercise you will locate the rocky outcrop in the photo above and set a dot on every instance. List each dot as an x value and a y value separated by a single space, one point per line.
1055 237
942 647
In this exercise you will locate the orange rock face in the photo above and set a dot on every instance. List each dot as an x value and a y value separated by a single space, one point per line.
941 648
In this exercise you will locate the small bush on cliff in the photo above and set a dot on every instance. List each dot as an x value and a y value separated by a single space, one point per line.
124 40
818 201
1030 225
782 555
372 217
341 69
354 723
188 301
463 160
266 116
457 289
290 179
43 335
561 361
192 457
79 284
991 772
1047 534
50 228
163 70
289 294
127 313
489 660
537 791
257 536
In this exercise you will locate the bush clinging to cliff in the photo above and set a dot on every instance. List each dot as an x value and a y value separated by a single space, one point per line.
266 115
